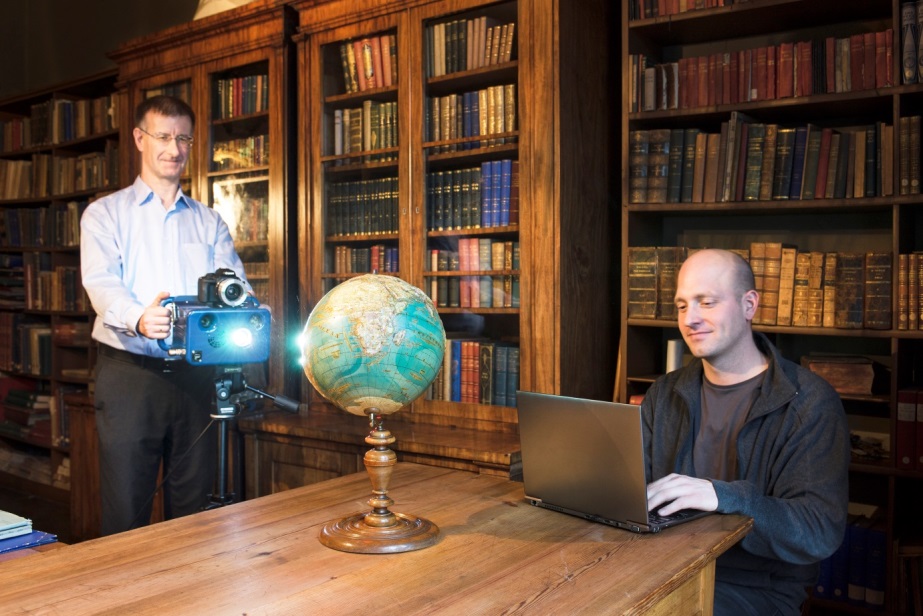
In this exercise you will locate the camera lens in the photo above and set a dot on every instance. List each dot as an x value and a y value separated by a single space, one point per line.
231 292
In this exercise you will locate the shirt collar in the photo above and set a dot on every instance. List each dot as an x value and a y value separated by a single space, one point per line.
144 194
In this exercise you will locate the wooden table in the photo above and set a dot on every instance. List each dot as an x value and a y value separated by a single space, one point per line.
496 554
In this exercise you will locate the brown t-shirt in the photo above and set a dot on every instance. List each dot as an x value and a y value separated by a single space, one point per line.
725 409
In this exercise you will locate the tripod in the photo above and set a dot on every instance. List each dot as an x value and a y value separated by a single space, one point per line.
232 396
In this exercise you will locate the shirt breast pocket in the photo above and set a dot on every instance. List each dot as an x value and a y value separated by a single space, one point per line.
197 260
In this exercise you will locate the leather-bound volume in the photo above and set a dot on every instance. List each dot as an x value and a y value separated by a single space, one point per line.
850 290
878 311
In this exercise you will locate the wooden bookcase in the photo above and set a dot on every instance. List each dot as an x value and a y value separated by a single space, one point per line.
59 151
884 221
559 134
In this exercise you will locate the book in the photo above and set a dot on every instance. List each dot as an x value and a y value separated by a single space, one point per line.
658 165
905 437
909 43
786 286
829 310
769 296
638 166
758 265
848 374
877 310
850 287
669 260
642 282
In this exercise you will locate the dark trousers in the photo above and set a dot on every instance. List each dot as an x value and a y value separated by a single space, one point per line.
736 600
146 415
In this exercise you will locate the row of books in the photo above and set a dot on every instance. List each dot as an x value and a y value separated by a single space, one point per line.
60 120
910 291
478 371
27 414
856 574
242 153
362 207
45 175
57 289
369 62
860 61
495 291
71 333
645 9
57 225
848 290
363 129
378 258
24 464
911 42
237 96
25 347
477 197
755 161
489 111
467 44
476 254
12 283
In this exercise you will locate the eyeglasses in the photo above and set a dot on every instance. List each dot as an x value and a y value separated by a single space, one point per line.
182 141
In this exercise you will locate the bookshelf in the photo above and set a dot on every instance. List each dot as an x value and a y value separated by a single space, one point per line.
831 72
558 133
59 151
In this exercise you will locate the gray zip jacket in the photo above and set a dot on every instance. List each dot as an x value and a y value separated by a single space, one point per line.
793 461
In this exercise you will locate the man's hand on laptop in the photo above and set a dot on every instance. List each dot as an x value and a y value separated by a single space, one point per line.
669 494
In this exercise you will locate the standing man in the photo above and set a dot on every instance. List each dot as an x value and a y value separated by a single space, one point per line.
742 430
139 246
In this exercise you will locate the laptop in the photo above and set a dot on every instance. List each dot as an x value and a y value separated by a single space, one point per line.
586 458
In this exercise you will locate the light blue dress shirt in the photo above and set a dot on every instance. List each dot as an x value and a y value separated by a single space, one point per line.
132 248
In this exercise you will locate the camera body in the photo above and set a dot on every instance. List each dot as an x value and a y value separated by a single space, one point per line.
222 288
221 325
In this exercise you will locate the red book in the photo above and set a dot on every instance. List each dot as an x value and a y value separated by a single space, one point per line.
734 78
830 61
823 160
771 66
712 86
384 44
856 61
889 57
726 82
702 81
361 74
786 70
761 73
692 82
805 73
905 445
684 83
868 65
374 44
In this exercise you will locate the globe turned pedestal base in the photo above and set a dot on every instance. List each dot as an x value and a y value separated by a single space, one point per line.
379 531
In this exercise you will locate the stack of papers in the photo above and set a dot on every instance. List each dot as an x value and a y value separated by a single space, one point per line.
12 525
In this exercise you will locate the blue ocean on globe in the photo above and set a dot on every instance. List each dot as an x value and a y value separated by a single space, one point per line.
373 341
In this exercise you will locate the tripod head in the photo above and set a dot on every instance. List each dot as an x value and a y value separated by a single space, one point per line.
233 395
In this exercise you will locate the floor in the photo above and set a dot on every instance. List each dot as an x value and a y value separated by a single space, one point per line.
47 516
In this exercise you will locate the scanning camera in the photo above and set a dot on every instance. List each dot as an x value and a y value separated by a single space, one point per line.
221 325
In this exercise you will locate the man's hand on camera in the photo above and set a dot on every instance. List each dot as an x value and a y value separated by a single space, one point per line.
155 322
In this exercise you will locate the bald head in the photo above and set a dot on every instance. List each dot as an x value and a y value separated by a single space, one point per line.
724 262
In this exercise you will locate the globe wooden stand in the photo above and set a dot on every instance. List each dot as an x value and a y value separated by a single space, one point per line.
379 531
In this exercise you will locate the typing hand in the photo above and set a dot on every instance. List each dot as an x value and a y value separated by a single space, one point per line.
674 492
155 321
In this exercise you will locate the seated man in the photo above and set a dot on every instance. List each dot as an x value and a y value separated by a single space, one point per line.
742 430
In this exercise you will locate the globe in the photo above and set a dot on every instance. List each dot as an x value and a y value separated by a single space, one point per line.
373 342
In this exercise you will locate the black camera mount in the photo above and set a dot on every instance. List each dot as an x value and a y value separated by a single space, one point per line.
232 397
